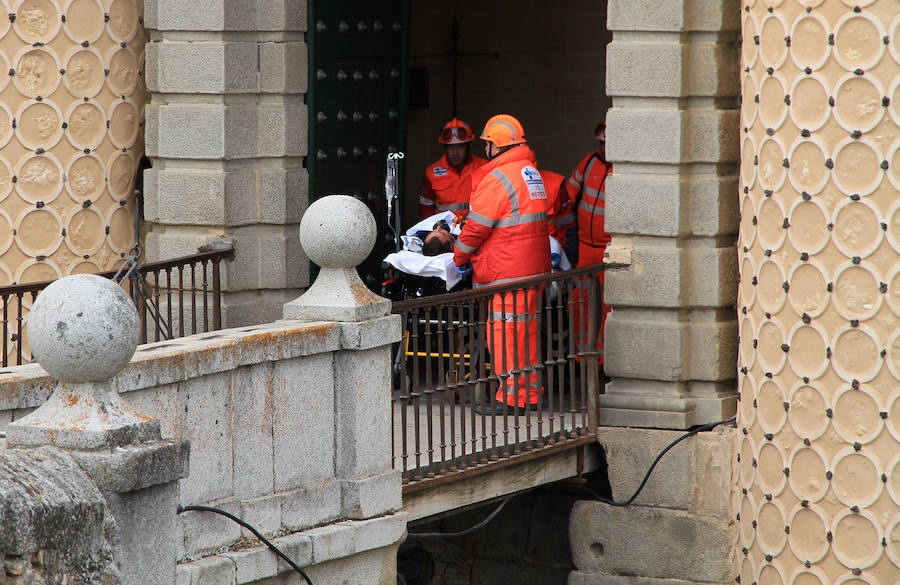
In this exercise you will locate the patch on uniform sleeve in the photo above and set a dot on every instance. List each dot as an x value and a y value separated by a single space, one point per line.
534 183
439 172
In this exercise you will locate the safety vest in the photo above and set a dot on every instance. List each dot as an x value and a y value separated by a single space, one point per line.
586 188
505 235
446 189
560 213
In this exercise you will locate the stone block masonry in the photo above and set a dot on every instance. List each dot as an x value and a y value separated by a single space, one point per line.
672 135
226 133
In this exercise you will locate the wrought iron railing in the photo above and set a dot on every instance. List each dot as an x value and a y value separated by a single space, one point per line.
456 354
178 297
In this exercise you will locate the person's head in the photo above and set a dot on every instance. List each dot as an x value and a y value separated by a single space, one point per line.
438 240
600 135
456 137
501 133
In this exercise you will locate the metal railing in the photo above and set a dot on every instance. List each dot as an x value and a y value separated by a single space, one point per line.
168 306
460 349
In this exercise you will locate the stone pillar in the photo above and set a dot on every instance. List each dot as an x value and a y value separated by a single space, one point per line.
819 356
337 233
84 330
672 73
226 133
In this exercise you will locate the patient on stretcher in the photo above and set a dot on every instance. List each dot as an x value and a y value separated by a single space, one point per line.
428 250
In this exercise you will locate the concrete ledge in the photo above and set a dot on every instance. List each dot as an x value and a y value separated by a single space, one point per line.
369 334
311 547
167 362
365 498
134 467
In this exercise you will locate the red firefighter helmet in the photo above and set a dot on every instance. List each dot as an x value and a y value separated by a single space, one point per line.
456 132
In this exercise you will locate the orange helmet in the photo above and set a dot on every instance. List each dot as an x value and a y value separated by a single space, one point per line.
600 131
503 130
456 132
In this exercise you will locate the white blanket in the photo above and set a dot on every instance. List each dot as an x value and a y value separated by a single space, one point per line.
441 266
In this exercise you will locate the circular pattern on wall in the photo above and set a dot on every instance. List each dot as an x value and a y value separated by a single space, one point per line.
123 71
121 236
770 347
36 271
124 123
771 171
84 72
86 178
858 41
748 101
749 46
772 108
770 229
808 229
858 102
809 41
85 231
39 124
39 231
773 49
748 409
39 178
857 166
86 125
809 102
770 288
808 479
856 354
857 478
808 538
121 175
808 354
857 538
36 72
808 171
37 21
857 228
770 523
807 404
123 20
856 291
809 288
84 20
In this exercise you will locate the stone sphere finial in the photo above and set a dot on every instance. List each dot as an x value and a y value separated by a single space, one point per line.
338 231
83 328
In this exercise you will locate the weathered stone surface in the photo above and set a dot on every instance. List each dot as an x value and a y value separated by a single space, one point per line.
135 467
78 318
656 542
369 334
48 503
311 505
694 476
372 496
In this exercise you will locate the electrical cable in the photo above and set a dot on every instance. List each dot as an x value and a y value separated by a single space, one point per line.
597 497
255 532
691 433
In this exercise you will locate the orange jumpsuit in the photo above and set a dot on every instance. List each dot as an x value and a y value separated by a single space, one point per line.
560 212
505 239
446 189
586 188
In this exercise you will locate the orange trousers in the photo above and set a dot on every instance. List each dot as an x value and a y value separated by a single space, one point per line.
512 341
588 255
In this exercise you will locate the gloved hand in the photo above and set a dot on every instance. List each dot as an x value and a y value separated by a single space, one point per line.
464 269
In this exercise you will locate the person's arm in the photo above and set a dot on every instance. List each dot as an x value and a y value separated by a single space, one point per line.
483 214
427 207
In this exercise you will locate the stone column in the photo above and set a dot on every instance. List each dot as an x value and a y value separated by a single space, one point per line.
819 350
338 232
672 73
226 133
83 331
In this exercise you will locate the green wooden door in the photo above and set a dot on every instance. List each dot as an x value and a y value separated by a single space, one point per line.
357 104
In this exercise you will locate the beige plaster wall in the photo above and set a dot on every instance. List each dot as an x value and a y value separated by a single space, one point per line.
819 356
71 118
550 73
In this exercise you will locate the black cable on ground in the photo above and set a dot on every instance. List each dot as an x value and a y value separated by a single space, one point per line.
597 497
255 532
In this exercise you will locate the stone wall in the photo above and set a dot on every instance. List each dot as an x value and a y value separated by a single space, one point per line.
672 73
226 133
683 526
819 354
279 436
548 73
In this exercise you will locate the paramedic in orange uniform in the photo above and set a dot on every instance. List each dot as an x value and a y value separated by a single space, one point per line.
586 189
447 185
505 240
